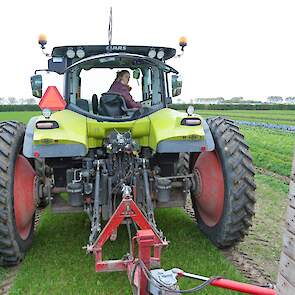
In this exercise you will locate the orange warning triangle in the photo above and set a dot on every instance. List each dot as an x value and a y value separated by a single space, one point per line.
52 100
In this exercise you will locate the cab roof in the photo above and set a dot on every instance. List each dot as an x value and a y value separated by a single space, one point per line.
91 50
119 60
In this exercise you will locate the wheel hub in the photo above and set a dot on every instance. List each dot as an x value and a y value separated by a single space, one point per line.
24 191
209 196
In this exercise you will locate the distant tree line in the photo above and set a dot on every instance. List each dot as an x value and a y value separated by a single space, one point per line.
279 99
14 101
12 104
238 100
235 106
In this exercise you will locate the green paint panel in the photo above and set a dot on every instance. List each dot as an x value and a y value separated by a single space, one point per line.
164 124
72 129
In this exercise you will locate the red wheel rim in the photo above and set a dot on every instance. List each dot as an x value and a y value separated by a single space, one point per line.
210 195
24 196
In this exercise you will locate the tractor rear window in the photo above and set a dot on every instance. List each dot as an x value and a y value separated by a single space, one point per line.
97 81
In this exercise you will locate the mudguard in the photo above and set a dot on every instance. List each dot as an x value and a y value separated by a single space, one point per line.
167 135
68 140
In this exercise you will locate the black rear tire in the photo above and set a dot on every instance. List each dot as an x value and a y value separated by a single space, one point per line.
239 186
12 246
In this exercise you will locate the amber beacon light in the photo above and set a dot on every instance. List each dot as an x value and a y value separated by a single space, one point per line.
182 42
42 40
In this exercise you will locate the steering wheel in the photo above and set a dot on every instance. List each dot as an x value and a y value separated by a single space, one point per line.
139 112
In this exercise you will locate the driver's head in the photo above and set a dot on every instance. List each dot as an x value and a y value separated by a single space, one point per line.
123 76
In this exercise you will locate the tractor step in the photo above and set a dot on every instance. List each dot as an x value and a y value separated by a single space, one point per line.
60 205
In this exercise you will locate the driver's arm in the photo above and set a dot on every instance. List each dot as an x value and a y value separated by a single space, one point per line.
130 102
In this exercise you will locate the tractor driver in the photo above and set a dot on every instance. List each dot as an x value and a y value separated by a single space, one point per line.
120 85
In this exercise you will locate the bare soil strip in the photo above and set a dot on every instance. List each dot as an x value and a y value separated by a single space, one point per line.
7 283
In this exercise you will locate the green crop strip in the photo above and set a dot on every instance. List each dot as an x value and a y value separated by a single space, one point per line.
57 264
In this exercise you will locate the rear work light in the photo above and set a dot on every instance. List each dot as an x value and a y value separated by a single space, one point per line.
191 121
47 125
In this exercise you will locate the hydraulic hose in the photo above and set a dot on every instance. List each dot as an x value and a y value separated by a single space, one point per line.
149 204
95 222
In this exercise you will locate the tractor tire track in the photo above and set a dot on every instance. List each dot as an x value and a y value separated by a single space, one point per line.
285 128
241 260
7 283
284 179
12 271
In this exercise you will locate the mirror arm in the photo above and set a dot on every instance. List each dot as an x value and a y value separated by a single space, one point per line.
45 53
41 70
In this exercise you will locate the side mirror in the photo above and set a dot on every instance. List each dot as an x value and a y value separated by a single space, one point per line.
176 85
136 74
36 85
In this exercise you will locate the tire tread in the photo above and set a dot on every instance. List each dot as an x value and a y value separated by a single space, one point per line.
235 224
10 252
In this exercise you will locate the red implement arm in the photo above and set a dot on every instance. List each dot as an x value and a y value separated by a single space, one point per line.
126 209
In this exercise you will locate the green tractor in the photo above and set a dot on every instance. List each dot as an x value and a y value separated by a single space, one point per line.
90 145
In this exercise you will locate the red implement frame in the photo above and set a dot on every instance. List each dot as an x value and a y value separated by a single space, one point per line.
148 239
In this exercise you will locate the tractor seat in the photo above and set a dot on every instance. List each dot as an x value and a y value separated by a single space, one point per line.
95 104
113 105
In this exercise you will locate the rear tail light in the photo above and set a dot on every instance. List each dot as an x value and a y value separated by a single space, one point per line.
47 125
191 121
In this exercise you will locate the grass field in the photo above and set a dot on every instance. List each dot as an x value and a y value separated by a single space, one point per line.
271 149
264 242
57 264
18 116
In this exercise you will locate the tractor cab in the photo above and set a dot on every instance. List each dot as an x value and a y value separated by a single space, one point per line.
91 71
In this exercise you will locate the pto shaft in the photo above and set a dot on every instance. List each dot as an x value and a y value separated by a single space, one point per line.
231 285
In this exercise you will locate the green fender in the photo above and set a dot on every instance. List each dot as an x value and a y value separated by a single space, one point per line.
76 134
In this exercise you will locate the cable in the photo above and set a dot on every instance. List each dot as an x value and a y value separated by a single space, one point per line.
163 287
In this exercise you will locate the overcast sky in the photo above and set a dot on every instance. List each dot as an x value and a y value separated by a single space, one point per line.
235 48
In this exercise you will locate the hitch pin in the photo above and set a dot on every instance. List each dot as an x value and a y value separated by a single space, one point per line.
88 248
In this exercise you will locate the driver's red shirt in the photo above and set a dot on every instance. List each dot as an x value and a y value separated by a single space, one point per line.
122 89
